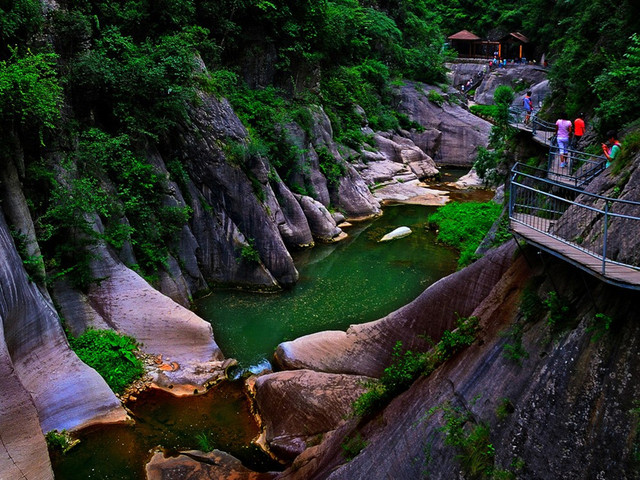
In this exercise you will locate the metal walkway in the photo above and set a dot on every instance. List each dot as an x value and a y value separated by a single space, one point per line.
587 230
576 169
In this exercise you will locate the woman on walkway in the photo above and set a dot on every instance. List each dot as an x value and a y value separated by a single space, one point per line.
528 107
563 132
612 150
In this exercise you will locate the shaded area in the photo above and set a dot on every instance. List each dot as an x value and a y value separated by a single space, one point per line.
120 452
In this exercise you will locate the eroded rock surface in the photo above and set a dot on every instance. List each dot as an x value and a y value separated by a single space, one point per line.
453 134
296 408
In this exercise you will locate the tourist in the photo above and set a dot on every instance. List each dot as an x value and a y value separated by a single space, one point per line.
528 107
563 131
578 130
613 149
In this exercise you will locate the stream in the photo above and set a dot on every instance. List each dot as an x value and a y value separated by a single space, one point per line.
354 281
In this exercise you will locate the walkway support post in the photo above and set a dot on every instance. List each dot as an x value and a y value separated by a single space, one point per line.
604 241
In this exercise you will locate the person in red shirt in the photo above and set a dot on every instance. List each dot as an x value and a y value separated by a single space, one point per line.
578 130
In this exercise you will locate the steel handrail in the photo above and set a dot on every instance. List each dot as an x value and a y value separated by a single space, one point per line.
560 204
515 171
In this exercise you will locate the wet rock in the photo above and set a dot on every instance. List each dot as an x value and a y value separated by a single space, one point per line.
196 465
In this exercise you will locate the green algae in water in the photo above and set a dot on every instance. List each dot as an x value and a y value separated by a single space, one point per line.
354 281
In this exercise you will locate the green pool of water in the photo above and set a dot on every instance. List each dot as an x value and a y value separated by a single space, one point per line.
354 281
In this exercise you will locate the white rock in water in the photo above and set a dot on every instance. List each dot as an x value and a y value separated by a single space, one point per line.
397 233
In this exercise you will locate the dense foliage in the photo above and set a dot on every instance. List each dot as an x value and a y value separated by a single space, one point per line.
111 355
464 225
127 71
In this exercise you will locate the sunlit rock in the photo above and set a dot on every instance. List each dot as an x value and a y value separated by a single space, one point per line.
399 232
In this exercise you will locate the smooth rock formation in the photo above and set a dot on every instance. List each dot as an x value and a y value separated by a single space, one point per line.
470 180
515 76
125 302
230 192
453 134
23 450
321 223
399 232
44 384
315 404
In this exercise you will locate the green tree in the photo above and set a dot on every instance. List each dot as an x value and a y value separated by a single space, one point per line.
618 87
30 94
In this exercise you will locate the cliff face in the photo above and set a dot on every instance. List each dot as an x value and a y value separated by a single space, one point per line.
567 408
44 385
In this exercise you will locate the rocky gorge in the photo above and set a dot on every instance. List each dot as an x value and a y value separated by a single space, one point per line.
232 207
567 391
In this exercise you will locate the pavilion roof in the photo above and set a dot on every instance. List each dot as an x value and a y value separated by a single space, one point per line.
464 35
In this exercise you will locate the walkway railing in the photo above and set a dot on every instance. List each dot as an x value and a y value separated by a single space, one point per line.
543 131
578 168
588 230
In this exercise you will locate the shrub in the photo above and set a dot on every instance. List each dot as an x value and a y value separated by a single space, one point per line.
406 367
464 225
557 307
435 97
61 441
352 446
485 111
331 168
111 355
476 452
513 349
249 252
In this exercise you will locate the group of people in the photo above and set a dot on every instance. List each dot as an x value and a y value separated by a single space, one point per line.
465 87
570 134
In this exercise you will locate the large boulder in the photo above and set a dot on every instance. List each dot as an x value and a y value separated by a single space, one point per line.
351 194
316 403
321 223
460 132
197 465
517 77
123 301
